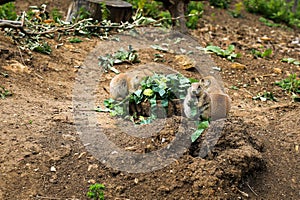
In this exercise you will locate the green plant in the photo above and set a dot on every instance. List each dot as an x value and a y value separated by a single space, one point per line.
7 11
83 13
291 61
259 54
268 22
56 15
96 191
290 84
238 8
277 10
201 126
228 53
40 47
220 3
152 88
75 40
108 61
4 92
265 96
104 12
234 87
195 10
167 22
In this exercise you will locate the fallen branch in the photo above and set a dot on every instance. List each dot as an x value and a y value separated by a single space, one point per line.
20 25
10 24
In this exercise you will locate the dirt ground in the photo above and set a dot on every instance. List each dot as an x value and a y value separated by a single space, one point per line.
257 156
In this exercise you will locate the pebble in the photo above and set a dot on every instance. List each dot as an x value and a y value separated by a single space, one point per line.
53 169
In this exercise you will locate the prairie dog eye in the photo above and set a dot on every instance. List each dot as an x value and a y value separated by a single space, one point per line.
205 82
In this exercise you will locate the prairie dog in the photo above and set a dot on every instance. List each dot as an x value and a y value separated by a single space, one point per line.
125 83
212 102
219 101
191 101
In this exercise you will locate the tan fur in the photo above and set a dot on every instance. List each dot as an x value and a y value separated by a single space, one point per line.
218 100
125 83
213 103
191 100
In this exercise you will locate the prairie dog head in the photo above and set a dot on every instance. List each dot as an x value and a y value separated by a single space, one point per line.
118 87
195 89
211 84
134 81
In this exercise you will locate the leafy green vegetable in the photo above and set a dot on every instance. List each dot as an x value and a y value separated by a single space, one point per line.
266 53
41 48
228 53
152 88
291 61
201 127
96 191
108 61
290 84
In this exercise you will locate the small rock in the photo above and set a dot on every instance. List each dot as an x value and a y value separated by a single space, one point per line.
277 70
185 62
53 169
93 166
238 66
265 38
136 180
69 137
91 181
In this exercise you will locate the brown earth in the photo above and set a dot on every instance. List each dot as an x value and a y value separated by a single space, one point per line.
257 154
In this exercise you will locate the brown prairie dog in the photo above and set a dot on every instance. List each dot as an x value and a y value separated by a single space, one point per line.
191 101
212 102
219 101
125 83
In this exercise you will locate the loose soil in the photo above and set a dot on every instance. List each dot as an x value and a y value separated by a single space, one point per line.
257 156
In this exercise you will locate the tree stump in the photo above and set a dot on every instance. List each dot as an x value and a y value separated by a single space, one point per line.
118 10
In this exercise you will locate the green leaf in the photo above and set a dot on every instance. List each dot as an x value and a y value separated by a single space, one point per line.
196 134
165 103
75 40
160 48
162 92
201 127
267 53
215 49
